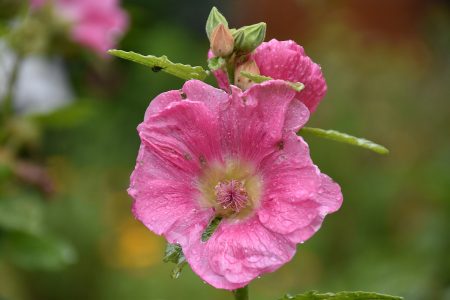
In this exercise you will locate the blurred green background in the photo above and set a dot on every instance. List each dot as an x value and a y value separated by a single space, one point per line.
387 65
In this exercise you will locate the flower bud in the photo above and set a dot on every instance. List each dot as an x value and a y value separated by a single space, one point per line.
247 38
222 42
215 18
242 81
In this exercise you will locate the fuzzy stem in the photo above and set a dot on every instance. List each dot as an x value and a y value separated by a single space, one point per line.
241 294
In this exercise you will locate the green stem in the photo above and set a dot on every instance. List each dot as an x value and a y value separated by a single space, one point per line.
9 95
241 294
230 68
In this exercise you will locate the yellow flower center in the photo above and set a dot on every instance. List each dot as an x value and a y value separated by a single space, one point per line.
233 189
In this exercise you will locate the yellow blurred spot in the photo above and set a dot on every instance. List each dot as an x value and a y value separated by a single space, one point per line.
134 246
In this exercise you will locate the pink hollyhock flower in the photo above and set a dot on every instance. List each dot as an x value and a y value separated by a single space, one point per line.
207 153
287 60
96 24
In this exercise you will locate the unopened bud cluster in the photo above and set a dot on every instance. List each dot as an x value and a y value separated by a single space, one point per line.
234 47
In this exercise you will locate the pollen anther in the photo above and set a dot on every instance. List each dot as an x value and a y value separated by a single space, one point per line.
231 195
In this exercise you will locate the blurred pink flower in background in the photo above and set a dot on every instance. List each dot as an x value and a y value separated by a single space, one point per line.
206 153
96 24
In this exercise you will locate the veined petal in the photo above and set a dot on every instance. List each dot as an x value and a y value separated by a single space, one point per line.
214 99
254 120
287 60
239 252
161 102
185 134
296 195
162 194
194 90
177 143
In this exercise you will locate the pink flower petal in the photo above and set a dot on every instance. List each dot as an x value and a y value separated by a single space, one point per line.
283 216
161 102
215 99
194 90
296 117
237 253
329 195
153 183
286 60
177 143
185 134
297 196
254 121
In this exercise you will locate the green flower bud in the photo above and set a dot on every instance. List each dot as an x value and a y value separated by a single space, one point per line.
215 18
247 38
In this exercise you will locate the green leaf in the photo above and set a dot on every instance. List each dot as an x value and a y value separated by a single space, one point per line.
216 63
162 63
345 138
247 38
297 86
215 18
341 296
174 254
212 226
21 214
37 251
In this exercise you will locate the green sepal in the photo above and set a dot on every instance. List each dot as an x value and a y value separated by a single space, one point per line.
247 38
216 63
215 18
212 226
162 63
174 254
341 296
345 138
297 86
